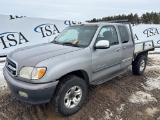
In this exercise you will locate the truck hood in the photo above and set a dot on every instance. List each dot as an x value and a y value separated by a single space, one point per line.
30 56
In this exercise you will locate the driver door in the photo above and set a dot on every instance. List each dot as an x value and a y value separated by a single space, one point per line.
107 61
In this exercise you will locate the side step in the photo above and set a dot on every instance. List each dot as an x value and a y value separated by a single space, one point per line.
109 77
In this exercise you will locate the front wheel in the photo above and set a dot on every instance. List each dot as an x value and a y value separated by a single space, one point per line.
139 65
70 95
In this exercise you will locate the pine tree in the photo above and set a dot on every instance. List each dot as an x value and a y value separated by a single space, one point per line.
146 18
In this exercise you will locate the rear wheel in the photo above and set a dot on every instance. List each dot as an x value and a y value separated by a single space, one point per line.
139 65
70 95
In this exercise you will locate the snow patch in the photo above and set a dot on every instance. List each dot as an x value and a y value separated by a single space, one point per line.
1 74
1 68
90 118
151 84
2 63
120 109
3 84
108 115
158 118
141 97
152 111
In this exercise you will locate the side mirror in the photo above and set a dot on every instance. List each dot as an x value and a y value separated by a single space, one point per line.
102 44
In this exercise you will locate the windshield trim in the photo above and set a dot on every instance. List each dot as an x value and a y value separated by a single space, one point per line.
83 46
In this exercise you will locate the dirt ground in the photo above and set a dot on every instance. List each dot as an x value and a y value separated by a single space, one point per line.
126 97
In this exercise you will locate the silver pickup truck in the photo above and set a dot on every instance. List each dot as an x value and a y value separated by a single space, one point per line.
61 71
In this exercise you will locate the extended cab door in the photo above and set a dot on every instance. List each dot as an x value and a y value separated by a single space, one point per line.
127 46
106 61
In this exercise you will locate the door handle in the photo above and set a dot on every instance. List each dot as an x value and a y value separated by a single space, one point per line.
118 49
124 48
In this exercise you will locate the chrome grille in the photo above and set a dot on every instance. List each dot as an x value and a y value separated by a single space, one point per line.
11 67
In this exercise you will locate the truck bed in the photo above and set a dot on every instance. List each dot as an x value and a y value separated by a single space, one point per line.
144 46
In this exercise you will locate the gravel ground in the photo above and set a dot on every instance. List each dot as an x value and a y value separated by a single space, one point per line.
126 97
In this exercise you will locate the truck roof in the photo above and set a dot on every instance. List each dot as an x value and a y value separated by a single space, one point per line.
112 22
98 24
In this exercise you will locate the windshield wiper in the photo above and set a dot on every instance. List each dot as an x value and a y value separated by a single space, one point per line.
55 42
70 43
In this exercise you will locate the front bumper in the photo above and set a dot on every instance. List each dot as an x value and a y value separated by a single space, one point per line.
37 93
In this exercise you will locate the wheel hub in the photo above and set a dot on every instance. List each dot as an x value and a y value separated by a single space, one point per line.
142 66
73 97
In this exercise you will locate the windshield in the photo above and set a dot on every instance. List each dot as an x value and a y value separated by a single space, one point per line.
76 36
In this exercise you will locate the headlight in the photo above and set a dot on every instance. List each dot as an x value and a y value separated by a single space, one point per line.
26 72
32 73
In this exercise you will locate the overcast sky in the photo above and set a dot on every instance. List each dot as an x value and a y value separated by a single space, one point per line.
81 10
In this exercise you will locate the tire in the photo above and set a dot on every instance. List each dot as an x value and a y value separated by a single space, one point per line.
71 89
139 65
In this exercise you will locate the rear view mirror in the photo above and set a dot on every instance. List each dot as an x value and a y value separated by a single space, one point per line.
102 44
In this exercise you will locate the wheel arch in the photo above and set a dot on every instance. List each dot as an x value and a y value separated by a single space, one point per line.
80 73
145 53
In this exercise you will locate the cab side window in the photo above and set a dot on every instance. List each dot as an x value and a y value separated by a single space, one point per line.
123 34
108 33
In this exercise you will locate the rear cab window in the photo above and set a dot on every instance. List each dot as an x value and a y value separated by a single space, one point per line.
124 35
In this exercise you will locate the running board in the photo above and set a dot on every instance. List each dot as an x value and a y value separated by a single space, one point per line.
109 77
